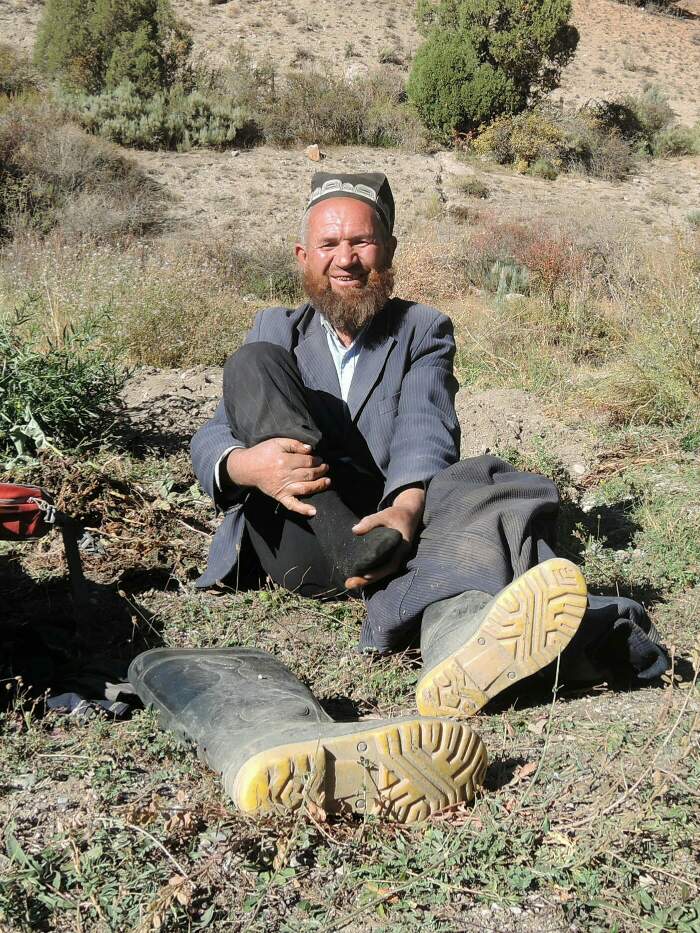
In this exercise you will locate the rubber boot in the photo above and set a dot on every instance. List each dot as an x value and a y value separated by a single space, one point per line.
275 747
475 645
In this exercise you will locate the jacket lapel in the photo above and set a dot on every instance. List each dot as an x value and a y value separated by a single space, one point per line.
314 358
370 365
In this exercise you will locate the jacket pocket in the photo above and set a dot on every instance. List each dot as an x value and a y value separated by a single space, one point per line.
390 403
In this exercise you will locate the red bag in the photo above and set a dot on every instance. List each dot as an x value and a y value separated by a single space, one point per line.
25 512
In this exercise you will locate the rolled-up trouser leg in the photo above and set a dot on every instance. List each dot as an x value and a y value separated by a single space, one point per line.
485 523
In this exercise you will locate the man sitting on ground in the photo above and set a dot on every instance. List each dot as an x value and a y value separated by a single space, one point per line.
334 455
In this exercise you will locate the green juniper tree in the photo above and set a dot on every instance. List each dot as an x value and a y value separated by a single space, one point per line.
123 69
95 45
482 58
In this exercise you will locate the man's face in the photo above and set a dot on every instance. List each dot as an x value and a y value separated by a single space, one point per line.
346 262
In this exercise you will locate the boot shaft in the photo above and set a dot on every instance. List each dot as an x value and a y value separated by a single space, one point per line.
221 699
449 623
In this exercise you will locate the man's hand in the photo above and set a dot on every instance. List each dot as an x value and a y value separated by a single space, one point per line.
405 516
281 468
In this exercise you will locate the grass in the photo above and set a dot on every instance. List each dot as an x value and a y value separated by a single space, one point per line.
588 813
179 306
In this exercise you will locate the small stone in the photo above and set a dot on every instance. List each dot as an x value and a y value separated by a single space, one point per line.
578 469
25 781
313 153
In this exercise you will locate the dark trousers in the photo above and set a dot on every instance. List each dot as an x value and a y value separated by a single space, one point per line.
485 522
265 398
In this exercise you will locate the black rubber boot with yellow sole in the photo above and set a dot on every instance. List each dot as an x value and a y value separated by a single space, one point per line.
256 724
475 645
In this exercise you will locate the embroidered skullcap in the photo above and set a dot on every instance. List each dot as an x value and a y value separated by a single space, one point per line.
371 187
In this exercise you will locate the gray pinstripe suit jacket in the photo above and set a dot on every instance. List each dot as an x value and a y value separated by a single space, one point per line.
401 401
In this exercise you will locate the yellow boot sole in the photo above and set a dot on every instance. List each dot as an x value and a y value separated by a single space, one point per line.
530 622
403 770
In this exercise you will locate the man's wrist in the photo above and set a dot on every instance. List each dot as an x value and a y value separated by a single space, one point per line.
412 500
235 472
412 496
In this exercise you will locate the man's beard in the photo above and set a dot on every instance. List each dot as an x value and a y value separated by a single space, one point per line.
348 313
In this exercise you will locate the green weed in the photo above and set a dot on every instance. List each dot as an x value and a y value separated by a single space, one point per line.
61 396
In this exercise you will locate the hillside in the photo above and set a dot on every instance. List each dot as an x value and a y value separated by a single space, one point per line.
622 48
576 312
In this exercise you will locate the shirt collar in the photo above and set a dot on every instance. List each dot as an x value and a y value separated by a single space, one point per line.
331 331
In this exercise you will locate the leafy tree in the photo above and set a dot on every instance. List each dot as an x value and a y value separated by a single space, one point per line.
483 58
93 45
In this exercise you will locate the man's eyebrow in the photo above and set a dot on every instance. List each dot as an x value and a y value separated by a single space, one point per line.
334 237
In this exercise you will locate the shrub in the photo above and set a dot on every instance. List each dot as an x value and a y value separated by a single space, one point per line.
676 141
16 73
55 174
651 110
604 138
550 261
329 109
482 58
559 140
535 136
62 395
525 138
474 187
90 45
609 156
542 168
648 123
170 119
637 119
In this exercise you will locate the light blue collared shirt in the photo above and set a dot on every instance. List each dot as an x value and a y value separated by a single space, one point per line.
344 358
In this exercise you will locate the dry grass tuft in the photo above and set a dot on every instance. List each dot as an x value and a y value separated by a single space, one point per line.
58 176
178 305
657 375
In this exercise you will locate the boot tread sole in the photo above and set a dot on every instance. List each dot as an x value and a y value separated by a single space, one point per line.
403 770
528 624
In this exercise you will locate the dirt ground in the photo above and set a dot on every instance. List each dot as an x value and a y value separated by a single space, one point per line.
159 402
259 194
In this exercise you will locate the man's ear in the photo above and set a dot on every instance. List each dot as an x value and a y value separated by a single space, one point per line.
391 248
300 253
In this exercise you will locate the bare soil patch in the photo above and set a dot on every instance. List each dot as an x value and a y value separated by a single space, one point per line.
165 406
259 194
170 403
504 420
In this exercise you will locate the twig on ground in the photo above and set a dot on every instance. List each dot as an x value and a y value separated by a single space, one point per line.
144 832
643 776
